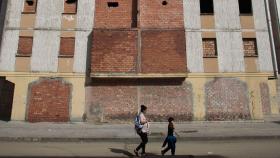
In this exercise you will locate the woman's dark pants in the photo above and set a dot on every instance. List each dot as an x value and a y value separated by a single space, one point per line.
144 138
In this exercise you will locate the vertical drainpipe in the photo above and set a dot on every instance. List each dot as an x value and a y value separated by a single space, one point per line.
272 45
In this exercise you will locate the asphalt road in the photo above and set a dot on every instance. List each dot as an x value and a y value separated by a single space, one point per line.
186 149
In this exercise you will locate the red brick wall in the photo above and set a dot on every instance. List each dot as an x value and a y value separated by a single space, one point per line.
155 15
170 98
114 51
49 101
265 98
111 101
70 6
113 17
116 100
209 47
30 8
6 99
226 99
163 51
250 47
67 46
25 46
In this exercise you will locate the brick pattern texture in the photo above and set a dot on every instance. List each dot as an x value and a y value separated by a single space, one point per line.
167 98
116 100
250 47
70 6
67 46
114 51
30 7
111 101
49 101
209 47
6 99
25 46
265 98
113 17
153 14
163 51
226 99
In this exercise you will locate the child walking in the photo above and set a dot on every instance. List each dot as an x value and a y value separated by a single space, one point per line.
170 139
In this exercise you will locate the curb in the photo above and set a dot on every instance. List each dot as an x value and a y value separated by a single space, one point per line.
154 139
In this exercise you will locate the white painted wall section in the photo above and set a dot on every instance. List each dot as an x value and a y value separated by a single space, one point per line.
230 52
45 51
10 39
192 23
264 52
259 15
85 21
49 13
192 14
46 41
194 52
227 14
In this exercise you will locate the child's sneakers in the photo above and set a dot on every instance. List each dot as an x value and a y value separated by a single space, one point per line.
162 153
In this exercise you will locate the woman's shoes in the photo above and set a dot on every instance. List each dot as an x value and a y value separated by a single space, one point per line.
136 152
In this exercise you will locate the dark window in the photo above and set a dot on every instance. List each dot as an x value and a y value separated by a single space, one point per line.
206 7
245 6
113 4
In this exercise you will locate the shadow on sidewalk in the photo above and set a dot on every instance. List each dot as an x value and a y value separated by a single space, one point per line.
148 156
151 155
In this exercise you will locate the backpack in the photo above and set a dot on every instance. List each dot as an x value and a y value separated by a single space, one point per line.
137 124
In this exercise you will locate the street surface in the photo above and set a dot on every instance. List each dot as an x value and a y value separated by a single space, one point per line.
187 149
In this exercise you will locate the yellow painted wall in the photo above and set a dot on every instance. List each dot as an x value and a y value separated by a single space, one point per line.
22 80
198 81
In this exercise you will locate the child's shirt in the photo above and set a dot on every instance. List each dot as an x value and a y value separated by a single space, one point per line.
170 129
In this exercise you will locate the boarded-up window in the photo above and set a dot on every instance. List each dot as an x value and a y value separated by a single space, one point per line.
30 6
70 6
25 46
67 46
209 47
250 47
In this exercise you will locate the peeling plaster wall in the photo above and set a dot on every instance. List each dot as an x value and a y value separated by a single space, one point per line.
194 52
49 14
227 14
229 36
10 37
46 59
230 52
85 20
259 15
192 14
193 39
263 42
48 20
264 52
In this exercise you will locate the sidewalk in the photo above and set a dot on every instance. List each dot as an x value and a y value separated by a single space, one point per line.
86 132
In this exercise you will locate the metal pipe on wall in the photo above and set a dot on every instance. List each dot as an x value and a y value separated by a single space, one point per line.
272 45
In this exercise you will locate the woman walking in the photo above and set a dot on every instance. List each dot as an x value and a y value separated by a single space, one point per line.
143 131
